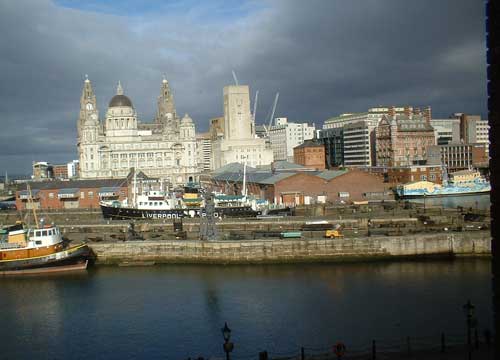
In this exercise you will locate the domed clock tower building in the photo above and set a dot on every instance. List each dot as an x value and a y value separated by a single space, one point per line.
165 148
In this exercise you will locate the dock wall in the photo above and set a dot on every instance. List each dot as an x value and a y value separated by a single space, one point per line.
476 243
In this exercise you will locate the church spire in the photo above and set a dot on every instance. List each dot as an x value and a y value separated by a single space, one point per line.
119 89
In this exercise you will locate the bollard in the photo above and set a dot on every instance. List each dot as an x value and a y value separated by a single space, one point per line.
302 354
443 344
374 350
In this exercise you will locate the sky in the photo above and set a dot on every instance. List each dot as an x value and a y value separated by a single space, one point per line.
324 58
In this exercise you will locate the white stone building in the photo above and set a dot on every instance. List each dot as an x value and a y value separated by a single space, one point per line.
73 167
446 131
165 148
240 144
204 151
284 136
358 135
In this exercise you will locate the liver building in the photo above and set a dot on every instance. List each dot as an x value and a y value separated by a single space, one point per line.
165 148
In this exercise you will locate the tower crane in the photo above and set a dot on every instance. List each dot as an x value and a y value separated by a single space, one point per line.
235 78
272 112
255 104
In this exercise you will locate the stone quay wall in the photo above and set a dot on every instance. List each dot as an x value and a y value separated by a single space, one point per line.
474 243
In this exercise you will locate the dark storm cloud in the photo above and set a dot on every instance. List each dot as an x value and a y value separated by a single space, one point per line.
325 58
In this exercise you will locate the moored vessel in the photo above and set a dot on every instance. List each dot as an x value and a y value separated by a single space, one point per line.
464 182
150 206
41 247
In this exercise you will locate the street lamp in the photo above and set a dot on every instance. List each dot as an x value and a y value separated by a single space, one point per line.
228 346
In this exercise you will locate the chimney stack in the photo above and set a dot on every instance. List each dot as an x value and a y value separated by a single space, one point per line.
407 111
392 111
428 114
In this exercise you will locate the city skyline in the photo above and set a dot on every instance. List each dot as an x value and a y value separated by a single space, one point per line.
322 64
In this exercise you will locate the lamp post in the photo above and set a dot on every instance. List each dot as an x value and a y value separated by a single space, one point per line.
228 346
469 313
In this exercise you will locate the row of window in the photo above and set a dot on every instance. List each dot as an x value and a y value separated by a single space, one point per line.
50 232
90 194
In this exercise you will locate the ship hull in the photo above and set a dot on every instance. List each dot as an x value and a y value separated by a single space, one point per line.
440 194
66 256
78 266
126 213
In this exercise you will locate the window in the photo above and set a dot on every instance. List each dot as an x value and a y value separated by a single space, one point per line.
51 195
38 242
82 195
44 233
91 194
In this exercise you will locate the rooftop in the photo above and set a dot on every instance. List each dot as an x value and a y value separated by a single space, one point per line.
310 143
72 184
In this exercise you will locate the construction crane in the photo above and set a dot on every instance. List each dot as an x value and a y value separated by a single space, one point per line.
235 78
255 104
273 111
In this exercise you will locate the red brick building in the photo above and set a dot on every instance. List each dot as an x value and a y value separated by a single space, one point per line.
60 171
310 154
406 174
403 139
334 186
71 194
293 187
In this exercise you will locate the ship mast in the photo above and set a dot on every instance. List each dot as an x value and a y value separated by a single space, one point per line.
244 190
30 200
135 188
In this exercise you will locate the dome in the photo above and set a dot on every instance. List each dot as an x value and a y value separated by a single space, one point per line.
120 100
186 119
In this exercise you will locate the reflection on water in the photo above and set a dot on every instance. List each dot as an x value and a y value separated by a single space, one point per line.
481 202
177 311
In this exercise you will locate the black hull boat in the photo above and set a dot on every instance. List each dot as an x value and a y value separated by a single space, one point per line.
129 213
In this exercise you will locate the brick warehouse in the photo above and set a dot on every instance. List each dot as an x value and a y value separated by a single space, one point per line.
352 185
301 187
79 194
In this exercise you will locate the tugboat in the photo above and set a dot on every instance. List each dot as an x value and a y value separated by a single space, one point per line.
39 250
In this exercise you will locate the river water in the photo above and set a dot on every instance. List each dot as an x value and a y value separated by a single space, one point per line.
173 312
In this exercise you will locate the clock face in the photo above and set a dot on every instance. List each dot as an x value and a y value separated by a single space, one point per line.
90 106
